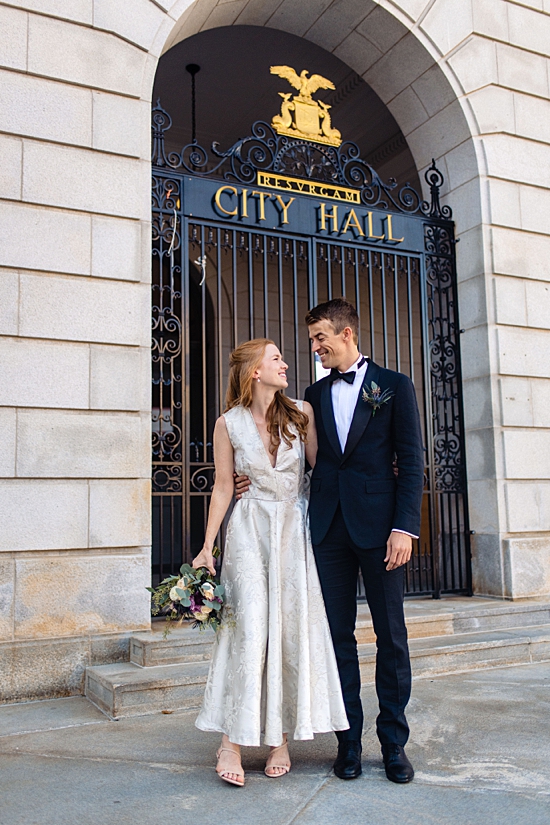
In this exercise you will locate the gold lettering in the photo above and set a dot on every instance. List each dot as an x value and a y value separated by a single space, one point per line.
262 196
284 206
333 216
352 221
371 233
244 203
217 199
390 232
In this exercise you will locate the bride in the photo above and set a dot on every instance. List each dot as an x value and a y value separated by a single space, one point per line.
273 670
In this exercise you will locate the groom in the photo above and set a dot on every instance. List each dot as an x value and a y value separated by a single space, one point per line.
363 517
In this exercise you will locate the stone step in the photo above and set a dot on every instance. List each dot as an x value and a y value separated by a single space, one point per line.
425 618
130 690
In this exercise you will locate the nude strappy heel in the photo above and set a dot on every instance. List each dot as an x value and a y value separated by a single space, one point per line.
224 774
284 768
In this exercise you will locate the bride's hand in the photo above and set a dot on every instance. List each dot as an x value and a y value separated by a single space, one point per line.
205 559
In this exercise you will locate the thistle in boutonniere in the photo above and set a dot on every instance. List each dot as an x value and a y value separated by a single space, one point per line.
376 397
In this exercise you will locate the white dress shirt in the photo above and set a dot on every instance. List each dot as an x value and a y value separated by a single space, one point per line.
344 401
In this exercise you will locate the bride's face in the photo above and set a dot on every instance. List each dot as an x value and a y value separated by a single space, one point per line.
272 370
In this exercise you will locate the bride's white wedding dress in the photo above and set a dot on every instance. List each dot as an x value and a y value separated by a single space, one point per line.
273 669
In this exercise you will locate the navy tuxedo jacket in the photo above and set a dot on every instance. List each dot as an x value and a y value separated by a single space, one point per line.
361 479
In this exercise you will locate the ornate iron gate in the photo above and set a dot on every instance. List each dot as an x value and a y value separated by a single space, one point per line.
222 274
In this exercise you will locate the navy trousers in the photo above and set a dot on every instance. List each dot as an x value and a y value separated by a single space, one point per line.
338 562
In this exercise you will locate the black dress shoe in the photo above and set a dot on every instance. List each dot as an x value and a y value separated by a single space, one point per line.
398 767
348 761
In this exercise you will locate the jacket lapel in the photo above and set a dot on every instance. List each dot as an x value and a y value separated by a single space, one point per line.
363 411
328 418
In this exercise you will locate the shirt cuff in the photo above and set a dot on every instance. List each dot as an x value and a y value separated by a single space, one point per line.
412 535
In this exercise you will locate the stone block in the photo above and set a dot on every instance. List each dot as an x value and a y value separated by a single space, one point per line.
521 70
529 29
117 377
438 135
475 63
527 454
224 14
84 56
478 403
382 29
527 567
474 349
480 454
387 76
510 301
493 108
43 514
13 38
7 597
483 505
81 179
139 27
80 11
7 441
293 18
466 205
357 52
408 110
40 108
532 115
520 253
516 402
63 444
116 248
32 237
118 125
472 302
338 20
72 595
190 18
490 18
120 513
527 506
541 402
524 352
487 564
11 152
470 253
110 648
434 90
535 204
117 317
504 198
447 24
44 374
513 158
537 296
42 669
9 305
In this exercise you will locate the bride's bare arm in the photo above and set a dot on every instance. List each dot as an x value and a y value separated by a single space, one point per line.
221 494
311 446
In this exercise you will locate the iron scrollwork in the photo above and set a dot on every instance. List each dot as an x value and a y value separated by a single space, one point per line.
266 151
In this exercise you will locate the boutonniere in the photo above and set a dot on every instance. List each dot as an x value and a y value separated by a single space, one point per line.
376 397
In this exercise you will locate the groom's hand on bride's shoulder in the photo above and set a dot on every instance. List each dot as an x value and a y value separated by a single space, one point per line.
399 550
242 483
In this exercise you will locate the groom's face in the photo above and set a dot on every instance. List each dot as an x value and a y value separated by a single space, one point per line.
331 346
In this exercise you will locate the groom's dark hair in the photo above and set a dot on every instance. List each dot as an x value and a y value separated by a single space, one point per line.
339 312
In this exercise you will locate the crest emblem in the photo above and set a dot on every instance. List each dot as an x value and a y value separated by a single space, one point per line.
302 117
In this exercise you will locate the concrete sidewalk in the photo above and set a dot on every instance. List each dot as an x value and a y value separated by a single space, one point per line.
480 745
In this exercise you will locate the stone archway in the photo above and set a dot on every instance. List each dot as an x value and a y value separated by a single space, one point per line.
385 45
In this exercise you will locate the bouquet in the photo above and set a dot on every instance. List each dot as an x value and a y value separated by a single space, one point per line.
193 595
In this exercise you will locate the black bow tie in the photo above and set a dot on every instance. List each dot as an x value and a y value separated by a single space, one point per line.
349 377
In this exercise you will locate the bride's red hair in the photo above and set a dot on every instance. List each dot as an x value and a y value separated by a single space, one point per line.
282 413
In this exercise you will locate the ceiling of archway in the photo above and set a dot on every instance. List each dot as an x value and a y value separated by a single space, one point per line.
235 88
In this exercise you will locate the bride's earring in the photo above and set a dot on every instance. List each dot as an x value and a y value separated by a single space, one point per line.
258 380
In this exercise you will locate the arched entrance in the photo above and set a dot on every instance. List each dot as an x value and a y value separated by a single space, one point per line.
231 262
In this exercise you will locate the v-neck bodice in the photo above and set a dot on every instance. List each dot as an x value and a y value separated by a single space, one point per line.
279 483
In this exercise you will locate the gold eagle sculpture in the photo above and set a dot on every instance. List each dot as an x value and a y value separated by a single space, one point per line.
303 117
